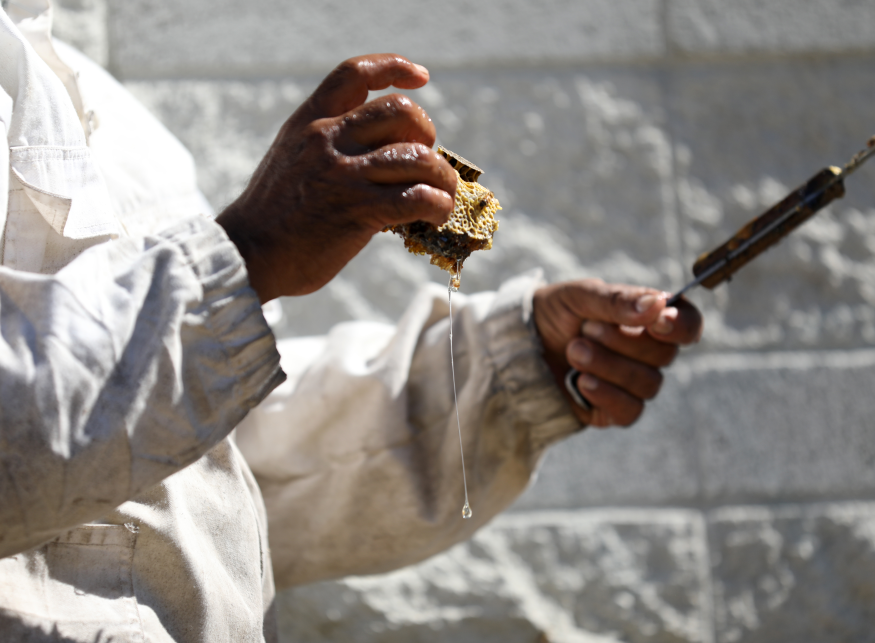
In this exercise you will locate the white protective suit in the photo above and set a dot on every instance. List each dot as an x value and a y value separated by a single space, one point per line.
131 345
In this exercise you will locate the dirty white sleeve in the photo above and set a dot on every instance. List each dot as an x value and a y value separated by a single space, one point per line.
357 454
119 370
5 116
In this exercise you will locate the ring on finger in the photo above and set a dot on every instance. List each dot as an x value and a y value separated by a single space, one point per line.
571 378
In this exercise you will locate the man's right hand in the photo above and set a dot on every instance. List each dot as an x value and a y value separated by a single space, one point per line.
339 171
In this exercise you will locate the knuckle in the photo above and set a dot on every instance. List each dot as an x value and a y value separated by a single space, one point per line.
695 330
416 154
385 158
616 298
415 195
632 413
654 385
345 74
580 294
418 202
668 356
318 134
591 283
351 166
600 419
402 105
414 199
424 151
350 67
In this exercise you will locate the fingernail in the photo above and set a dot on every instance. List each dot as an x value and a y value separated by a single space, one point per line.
645 303
421 68
593 329
665 324
588 382
580 353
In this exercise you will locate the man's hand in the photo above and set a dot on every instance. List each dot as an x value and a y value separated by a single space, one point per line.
339 171
618 337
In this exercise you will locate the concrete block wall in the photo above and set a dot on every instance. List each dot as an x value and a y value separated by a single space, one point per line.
623 138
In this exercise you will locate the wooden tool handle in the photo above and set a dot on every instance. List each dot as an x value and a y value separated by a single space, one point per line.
784 217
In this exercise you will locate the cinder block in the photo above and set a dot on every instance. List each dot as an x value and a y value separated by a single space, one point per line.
227 125
726 429
652 463
83 24
606 576
580 163
746 134
795 573
783 427
777 27
162 38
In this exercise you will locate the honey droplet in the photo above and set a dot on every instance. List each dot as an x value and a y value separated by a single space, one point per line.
456 277
466 511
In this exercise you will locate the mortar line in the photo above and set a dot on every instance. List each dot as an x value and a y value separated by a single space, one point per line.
709 607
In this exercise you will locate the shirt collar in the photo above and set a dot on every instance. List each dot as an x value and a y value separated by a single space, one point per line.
33 18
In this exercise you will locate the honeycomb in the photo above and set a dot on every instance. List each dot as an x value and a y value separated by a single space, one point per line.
469 228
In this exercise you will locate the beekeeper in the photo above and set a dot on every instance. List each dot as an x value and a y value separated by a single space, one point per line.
132 343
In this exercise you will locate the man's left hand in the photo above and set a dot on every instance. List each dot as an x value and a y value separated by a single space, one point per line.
618 337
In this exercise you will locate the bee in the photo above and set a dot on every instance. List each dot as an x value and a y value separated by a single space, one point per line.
484 198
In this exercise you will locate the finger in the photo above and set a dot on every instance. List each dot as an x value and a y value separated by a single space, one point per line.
406 163
614 303
385 120
584 416
635 344
640 380
611 404
409 203
678 324
347 86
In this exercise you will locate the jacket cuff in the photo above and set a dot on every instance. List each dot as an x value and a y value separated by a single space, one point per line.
230 310
516 351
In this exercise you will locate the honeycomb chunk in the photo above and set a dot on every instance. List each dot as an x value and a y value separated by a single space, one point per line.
469 228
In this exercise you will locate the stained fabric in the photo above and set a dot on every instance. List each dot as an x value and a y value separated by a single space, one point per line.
131 345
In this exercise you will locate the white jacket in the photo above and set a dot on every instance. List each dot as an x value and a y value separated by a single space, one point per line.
130 347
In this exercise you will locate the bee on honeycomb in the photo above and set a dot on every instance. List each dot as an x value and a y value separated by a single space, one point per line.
469 228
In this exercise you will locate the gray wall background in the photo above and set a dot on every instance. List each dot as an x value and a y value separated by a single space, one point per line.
623 138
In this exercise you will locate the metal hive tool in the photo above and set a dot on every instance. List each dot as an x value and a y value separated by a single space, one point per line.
757 235
761 233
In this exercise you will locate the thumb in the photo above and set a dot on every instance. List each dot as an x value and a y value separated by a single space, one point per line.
614 303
